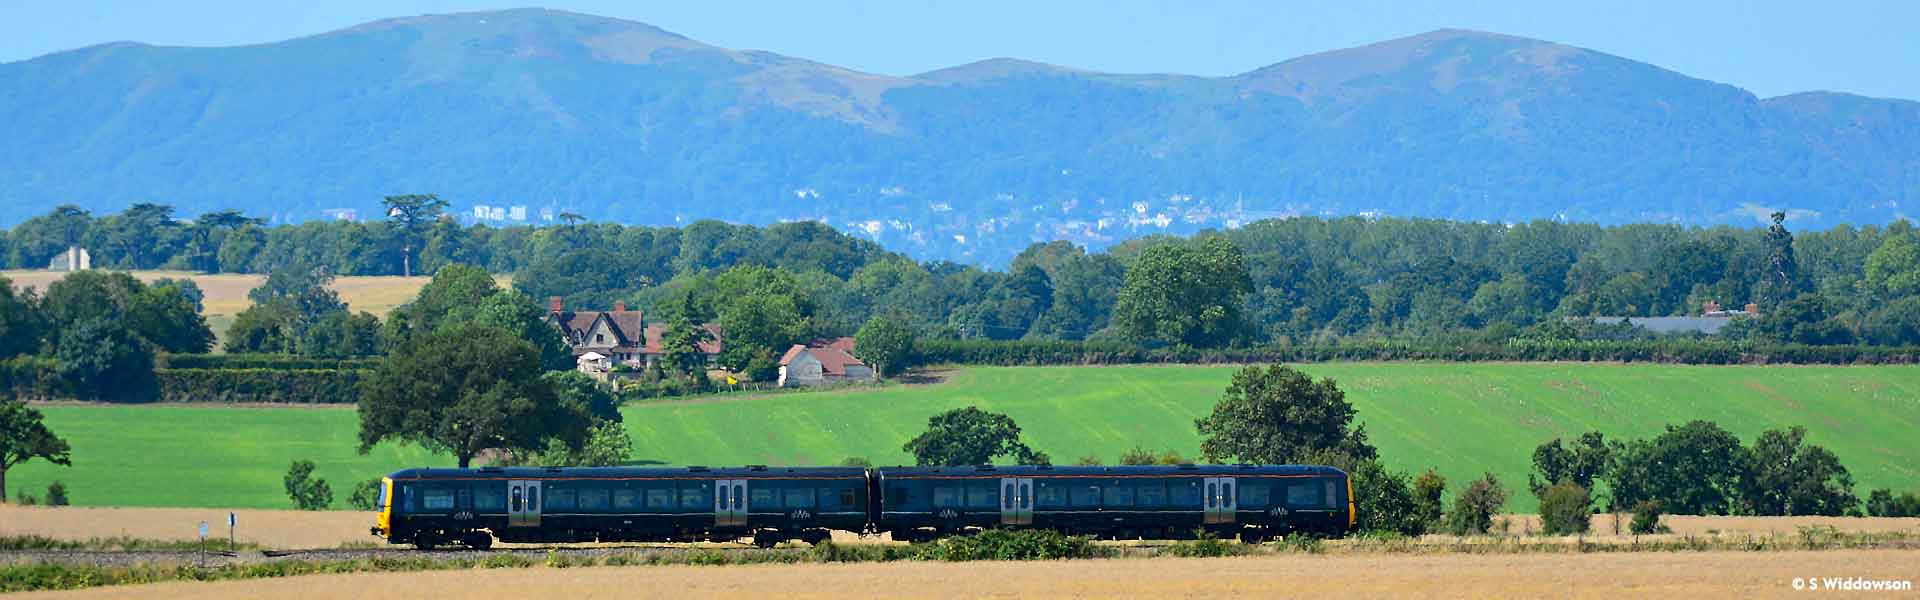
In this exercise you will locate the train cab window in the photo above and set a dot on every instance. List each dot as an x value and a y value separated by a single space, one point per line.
1254 494
1332 498
381 502
624 499
1085 495
695 497
659 498
1152 493
560 499
517 501
1184 494
1051 496
489 499
406 497
765 498
946 497
432 499
1118 495
982 496
798 498
1303 494
848 499
593 499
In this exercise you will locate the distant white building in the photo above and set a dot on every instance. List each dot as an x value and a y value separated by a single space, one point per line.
822 362
74 258
517 213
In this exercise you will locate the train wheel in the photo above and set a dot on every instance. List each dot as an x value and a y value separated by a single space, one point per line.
814 538
425 541
767 539
1253 536
478 540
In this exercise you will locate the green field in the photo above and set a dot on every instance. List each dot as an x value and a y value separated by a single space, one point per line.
1461 418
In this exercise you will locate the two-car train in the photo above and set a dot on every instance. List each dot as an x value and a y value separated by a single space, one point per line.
474 507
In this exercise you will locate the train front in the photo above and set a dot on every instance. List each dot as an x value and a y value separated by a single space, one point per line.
383 521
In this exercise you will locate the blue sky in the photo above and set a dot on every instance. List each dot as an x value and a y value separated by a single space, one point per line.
1769 47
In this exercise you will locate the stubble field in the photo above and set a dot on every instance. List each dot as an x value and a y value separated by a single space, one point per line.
1689 575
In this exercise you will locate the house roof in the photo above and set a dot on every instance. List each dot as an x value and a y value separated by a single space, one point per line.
626 326
658 331
833 361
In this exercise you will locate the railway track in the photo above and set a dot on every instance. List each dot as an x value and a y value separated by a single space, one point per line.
213 557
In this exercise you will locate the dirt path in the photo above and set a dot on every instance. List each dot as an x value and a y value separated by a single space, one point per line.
1690 575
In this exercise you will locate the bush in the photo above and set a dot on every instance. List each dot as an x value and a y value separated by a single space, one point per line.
57 494
1646 517
1882 503
261 385
1204 545
280 362
307 491
505 561
1473 510
1429 495
1004 544
366 494
1565 508
827 551
855 461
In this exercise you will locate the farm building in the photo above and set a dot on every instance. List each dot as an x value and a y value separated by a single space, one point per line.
822 362
621 336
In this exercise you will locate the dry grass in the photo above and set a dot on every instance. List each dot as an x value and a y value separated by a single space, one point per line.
1703 574
227 293
1604 525
267 528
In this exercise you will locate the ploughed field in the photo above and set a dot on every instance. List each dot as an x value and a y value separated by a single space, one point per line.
1463 418
1664 574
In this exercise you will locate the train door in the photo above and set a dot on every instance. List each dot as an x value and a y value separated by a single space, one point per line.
523 503
1219 500
1016 501
730 503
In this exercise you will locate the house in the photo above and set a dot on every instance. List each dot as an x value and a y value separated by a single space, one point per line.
621 336
822 362
74 258
1710 321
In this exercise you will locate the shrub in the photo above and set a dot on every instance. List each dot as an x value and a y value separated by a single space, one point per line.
57 494
505 561
307 491
1429 495
1003 544
855 461
21 498
1203 545
366 494
1473 510
1138 456
827 551
1882 503
1565 508
1646 517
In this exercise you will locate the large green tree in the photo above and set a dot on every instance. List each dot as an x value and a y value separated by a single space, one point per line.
885 343
113 364
465 389
970 436
1784 476
1183 295
414 214
24 437
1580 462
21 325
1278 415
1692 469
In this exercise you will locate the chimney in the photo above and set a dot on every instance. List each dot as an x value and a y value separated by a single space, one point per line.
619 306
554 304
1710 307
1753 310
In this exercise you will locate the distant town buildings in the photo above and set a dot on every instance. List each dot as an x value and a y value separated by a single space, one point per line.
74 258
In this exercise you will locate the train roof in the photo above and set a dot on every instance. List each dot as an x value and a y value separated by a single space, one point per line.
691 472
1120 470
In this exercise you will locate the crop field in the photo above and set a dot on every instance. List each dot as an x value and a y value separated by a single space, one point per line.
1461 418
1687 574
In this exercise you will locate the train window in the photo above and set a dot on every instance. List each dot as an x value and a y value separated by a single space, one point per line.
1051 496
1254 494
1332 499
1118 495
798 498
1226 494
382 501
982 496
593 499
898 496
765 498
1303 494
847 499
1185 494
517 500
533 499
463 499
1152 493
1006 497
432 499
659 498
560 499
489 499
624 499
695 497
406 496
1085 495
1213 495
946 497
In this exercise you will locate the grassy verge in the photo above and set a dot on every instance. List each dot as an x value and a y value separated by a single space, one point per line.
112 544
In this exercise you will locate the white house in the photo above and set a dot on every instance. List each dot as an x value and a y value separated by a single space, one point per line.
822 363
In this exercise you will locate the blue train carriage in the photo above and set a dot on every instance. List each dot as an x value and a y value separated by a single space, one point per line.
1255 502
474 507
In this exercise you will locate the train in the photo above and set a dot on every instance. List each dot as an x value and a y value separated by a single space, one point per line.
432 507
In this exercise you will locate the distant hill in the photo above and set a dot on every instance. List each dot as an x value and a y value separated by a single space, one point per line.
623 121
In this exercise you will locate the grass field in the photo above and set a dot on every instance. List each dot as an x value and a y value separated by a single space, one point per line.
1686 574
1461 418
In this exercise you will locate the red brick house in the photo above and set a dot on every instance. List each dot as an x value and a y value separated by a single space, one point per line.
621 335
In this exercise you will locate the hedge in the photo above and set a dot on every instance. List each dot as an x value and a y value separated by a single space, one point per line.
1684 351
32 378
265 386
260 361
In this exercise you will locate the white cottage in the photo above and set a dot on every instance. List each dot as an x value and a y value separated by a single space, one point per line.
822 364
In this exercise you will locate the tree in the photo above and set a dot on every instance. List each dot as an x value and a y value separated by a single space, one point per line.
607 445
1785 477
1581 464
970 436
1883 503
57 494
306 491
1138 456
1474 508
1181 295
886 343
414 213
1893 269
1781 280
855 461
1276 415
1382 500
113 363
464 389
1429 496
580 391
23 437
22 328
1693 469
1803 320
366 495
1565 508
